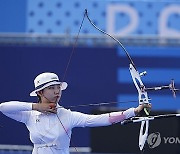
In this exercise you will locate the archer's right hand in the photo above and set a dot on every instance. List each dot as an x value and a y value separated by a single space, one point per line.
45 107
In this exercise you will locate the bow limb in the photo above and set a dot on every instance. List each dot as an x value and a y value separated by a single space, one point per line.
143 136
102 31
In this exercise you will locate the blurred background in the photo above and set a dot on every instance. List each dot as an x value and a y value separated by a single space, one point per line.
39 35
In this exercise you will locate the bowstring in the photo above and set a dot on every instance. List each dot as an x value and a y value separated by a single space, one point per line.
64 76
73 49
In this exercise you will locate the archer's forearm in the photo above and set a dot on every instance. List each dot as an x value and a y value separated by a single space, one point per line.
115 117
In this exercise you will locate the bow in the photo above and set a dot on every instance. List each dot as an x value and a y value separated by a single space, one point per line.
141 89
136 77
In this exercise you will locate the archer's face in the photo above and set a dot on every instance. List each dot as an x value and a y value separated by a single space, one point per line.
52 93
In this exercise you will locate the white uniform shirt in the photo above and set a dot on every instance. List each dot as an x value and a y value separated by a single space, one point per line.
47 130
51 133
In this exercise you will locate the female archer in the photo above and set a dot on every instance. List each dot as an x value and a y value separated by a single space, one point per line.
50 124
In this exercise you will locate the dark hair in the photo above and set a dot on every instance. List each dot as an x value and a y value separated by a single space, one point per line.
39 98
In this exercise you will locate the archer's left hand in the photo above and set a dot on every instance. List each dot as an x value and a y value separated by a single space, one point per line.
141 107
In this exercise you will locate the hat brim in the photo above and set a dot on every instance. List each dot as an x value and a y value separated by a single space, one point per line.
63 87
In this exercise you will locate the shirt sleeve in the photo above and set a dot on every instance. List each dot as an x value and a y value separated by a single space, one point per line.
115 117
19 111
86 120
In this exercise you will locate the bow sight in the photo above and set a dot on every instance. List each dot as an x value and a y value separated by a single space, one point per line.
171 87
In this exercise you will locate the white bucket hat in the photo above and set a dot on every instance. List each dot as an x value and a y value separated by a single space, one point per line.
46 79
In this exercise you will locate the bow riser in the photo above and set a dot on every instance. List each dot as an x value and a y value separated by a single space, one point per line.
143 99
143 96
